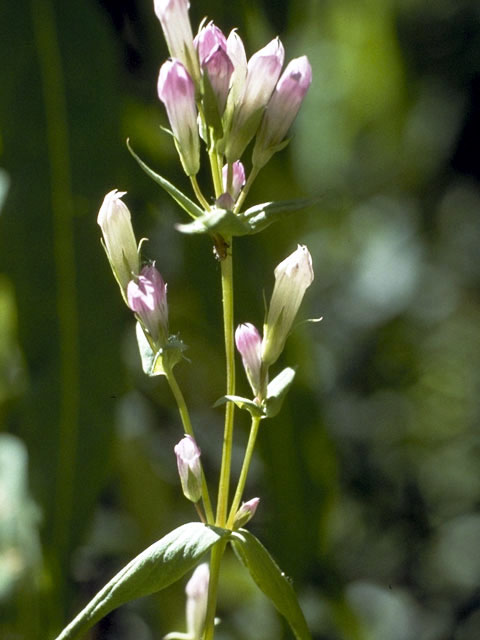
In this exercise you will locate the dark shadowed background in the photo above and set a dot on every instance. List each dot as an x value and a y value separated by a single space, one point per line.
370 477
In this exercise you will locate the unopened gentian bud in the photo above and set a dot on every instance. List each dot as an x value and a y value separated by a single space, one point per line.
177 92
249 345
282 109
147 297
208 40
189 468
173 16
245 513
238 178
263 70
219 69
197 599
118 238
292 278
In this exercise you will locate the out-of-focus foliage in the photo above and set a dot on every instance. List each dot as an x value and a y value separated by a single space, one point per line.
370 476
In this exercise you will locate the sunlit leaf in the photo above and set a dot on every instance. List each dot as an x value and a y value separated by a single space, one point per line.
261 216
277 390
220 221
254 409
162 564
180 198
271 580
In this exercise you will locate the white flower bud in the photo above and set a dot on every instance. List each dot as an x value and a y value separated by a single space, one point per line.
189 468
118 238
292 278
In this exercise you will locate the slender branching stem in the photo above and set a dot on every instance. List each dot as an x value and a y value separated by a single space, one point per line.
246 189
224 482
244 472
230 178
198 192
215 165
227 300
198 509
187 427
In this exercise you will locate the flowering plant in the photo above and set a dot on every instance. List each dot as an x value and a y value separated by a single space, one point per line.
212 94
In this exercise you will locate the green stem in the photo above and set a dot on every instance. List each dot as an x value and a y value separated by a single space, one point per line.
216 172
227 301
215 560
250 180
198 192
230 178
187 426
244 472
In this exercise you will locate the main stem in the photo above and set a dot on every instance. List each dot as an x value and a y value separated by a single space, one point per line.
227 300
224 483
215 560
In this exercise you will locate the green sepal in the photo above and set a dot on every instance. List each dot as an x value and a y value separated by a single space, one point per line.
161 362
159 566
254 409
270 579
261 157
239 138
277 390
210 108
180 198
218 221
260 216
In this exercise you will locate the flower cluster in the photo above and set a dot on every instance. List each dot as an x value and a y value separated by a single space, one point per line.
211 91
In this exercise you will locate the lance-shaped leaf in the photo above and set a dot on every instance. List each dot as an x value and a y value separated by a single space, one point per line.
262 215
162 564
184 201
270 579
255 410
277 390
220 221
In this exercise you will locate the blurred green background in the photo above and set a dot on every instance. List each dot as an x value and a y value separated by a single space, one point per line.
370 477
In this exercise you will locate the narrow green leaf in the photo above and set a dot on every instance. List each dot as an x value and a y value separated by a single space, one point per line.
162 564
180 198
277 390
220 221
242 403
262 215
270 579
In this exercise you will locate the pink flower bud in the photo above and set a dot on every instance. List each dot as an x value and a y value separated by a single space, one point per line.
177 92
118 238
147 297
189 468
249 345
173 16
208 40
219 68
262 74
292 278
238 178
245 513
197 599
282 109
